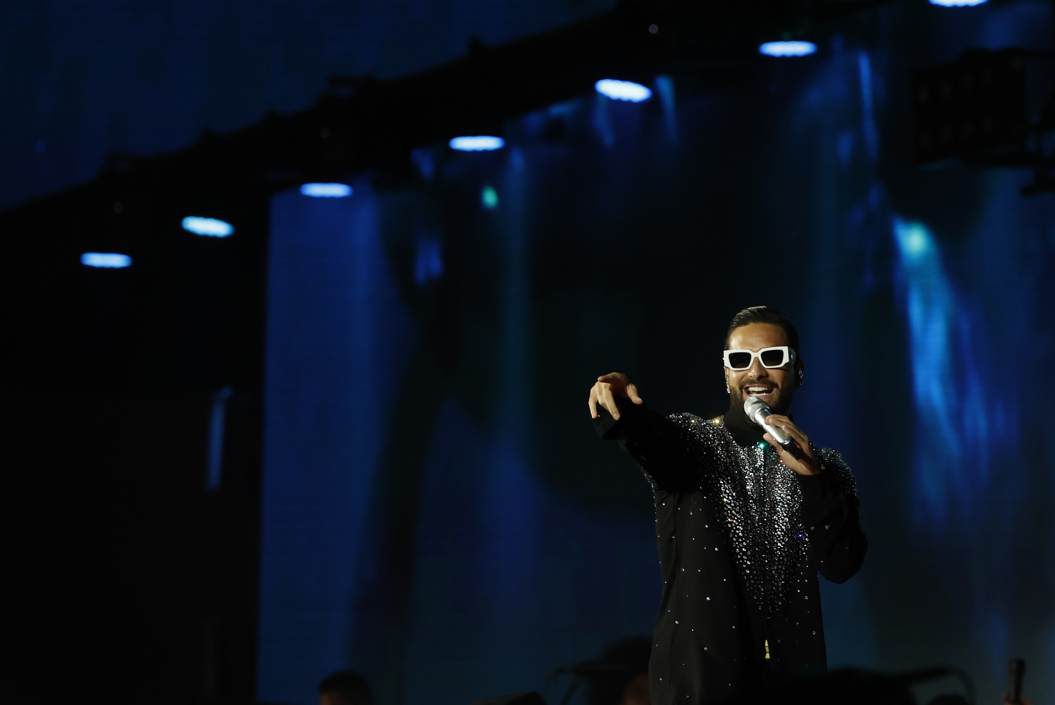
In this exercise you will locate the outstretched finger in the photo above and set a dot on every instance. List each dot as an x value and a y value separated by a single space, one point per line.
608 401
631 391
593 402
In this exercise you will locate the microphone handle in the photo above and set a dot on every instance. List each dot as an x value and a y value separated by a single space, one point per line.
783 439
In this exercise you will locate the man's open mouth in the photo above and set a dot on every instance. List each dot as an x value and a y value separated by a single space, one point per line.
754 391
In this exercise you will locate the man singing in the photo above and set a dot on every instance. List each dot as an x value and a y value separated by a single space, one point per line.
743 525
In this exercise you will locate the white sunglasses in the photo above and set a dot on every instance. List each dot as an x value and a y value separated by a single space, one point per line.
769 357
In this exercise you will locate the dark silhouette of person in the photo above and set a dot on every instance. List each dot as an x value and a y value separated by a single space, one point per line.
627 681
345 688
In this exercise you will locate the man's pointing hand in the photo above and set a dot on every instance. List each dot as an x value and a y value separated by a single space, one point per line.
607 388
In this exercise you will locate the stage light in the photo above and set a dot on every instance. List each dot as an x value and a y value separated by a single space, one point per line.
622 90
787 48
207 226
956 3
478 143
107 260
326 190
489 198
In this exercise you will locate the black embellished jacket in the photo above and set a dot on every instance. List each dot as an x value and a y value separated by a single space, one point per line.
741 539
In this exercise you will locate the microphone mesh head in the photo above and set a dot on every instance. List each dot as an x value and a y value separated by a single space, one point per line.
755 409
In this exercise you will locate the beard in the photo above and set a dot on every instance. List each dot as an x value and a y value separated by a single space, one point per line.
781 405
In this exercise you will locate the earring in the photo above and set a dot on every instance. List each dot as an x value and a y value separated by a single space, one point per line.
727 390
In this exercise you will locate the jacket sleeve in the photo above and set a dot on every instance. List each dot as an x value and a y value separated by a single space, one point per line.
661 447
830 515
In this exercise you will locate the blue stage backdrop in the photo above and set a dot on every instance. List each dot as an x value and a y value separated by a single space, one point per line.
437 511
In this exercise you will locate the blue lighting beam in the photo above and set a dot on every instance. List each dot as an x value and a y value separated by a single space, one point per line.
623 90
210 227
477 143
316 190
787 48
106 260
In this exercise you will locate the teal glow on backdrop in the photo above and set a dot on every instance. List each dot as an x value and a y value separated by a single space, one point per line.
963 415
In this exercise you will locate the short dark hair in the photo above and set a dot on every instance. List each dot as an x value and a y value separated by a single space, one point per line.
351 686
764 314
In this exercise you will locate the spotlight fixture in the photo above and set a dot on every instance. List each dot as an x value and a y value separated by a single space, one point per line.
622 90
326 190
787 48
956 3
106 260
207 226
478 143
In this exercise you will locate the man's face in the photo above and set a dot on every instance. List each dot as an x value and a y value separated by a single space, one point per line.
775 386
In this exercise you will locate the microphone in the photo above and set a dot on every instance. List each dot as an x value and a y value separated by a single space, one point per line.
757 411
